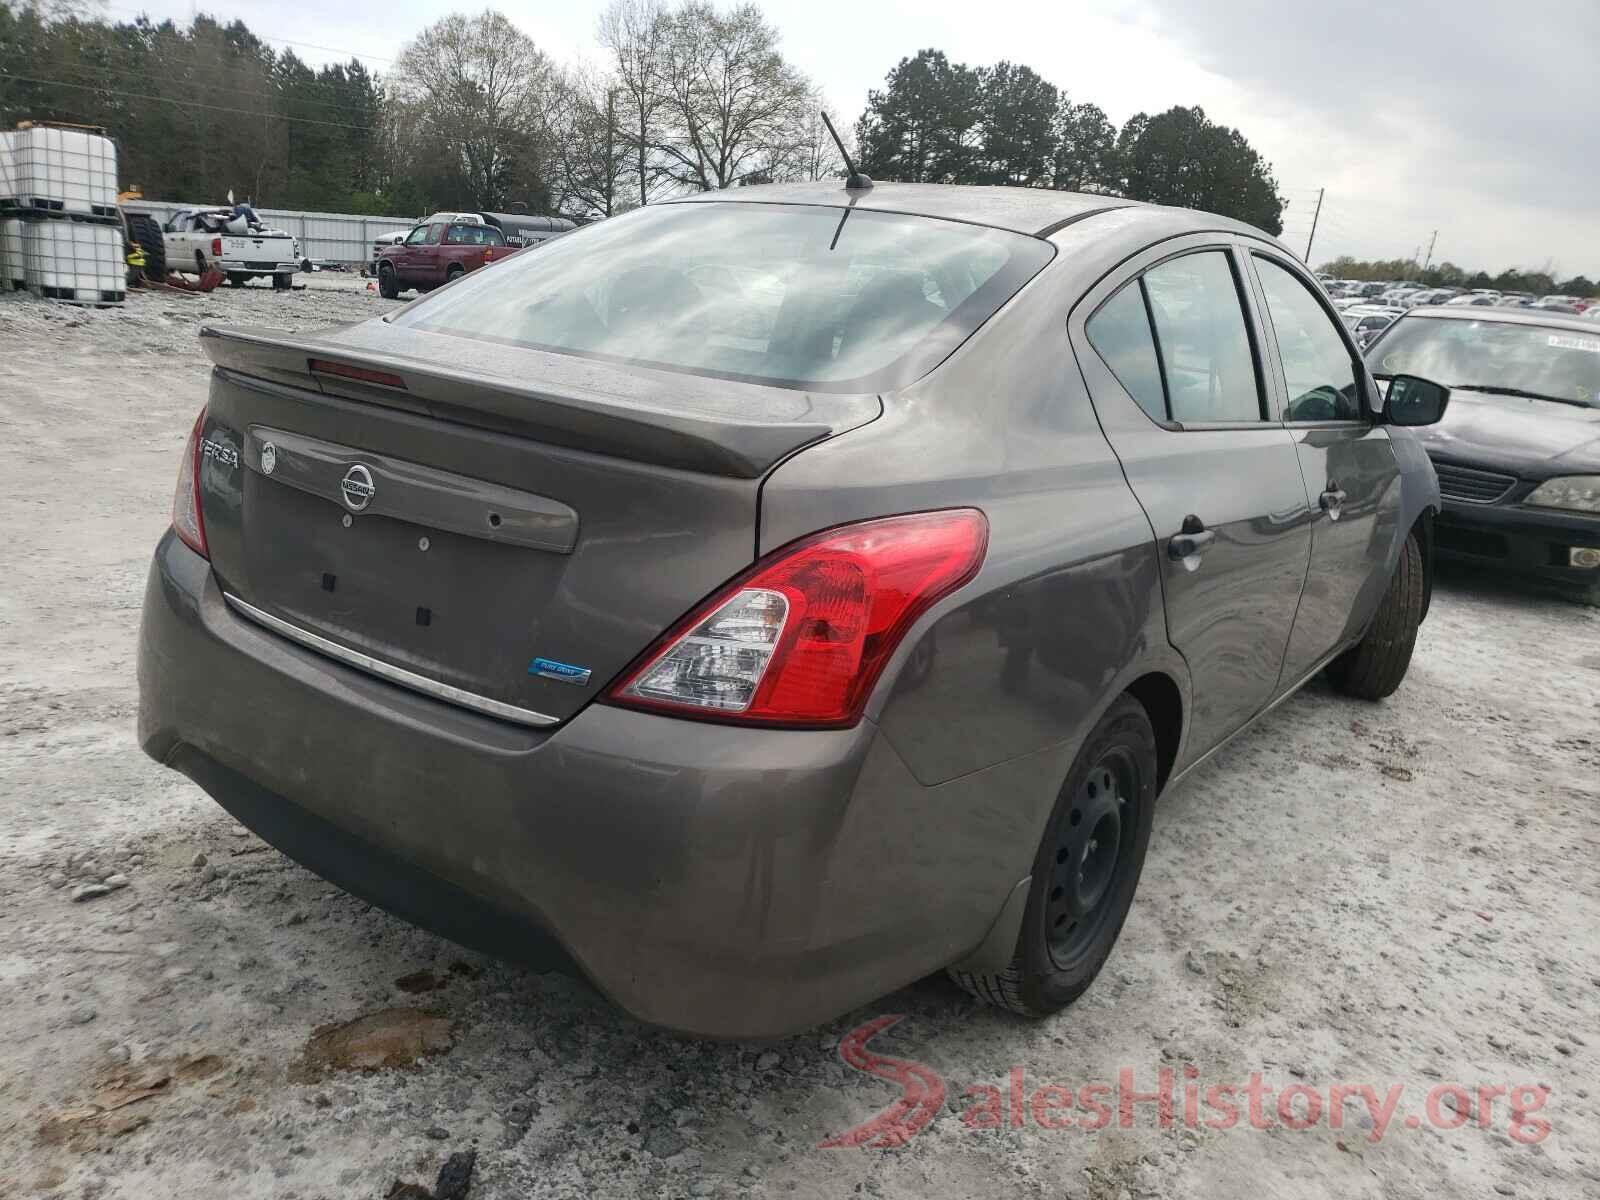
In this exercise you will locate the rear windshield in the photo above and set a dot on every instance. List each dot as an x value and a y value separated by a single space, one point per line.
826 299
1562 364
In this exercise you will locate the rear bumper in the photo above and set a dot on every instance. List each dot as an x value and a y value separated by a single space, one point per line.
720 881
239 267
1527 541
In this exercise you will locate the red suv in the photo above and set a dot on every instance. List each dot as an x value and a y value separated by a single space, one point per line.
439 250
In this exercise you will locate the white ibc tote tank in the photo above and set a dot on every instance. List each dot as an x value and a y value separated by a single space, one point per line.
60 230
71 260
64 170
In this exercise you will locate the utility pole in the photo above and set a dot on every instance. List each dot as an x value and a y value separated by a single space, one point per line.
1431 241
1312 235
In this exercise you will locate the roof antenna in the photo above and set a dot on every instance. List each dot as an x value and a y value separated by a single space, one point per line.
855 181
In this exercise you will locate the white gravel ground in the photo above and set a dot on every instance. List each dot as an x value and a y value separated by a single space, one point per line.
1402 894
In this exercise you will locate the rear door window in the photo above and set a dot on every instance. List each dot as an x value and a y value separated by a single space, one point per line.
1317 365
803 296
1120 334
1203 340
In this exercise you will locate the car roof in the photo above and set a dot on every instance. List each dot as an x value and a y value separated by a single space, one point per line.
1037 211
1507 316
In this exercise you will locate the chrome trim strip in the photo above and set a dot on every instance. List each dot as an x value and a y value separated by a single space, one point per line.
393 674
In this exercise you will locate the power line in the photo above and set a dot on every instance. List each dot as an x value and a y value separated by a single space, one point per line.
278 87
245 112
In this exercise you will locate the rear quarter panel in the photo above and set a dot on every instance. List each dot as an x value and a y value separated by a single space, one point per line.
1009 674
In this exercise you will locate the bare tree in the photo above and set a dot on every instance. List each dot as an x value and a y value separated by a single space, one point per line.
596 154
810 154
633 33
479 90
733 106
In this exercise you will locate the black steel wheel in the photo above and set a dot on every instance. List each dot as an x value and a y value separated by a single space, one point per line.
1086 869
388 282
1090 851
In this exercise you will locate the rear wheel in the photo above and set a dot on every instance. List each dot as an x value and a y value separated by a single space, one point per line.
388 283
454 272
1374 666
1085 872
237 280
199 263
282 283
145 233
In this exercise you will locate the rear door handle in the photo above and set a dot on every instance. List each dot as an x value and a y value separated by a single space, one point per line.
1192 541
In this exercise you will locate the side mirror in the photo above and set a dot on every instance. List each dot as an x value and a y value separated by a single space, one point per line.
1414 401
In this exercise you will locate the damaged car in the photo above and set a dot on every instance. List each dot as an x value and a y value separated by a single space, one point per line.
760 600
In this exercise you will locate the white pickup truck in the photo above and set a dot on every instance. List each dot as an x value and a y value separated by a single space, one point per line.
241 248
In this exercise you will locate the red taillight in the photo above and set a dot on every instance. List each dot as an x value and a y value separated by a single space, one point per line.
801 638
187 521
216 247
364 374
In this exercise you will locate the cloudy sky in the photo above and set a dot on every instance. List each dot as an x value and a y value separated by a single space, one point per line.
1475 118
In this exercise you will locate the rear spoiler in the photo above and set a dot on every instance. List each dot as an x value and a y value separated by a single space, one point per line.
696 423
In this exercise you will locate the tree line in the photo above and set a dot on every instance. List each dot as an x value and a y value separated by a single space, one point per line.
937 121
473 114
1543 282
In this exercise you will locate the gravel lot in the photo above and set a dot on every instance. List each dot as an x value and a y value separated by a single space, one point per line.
1351 894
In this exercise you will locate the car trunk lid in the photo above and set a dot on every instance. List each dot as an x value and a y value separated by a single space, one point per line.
507 535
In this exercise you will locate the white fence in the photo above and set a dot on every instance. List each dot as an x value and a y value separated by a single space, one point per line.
324 237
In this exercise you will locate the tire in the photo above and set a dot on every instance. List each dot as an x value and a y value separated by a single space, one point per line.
144 231
454 273
388 283
237 280
200 263
282 283
1374 666
1066 938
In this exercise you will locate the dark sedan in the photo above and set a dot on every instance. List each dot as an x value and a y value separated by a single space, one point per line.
1518 454
760 600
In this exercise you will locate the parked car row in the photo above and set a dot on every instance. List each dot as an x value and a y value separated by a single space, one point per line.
1404 295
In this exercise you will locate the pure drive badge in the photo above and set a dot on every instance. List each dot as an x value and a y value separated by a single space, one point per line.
357 487
547 668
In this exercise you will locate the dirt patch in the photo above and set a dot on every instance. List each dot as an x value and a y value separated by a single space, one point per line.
418 982
82 1127
394 1037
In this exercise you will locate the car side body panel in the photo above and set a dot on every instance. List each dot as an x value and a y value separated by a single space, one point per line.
1231 607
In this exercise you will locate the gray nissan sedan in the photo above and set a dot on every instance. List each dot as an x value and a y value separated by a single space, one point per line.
761 600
